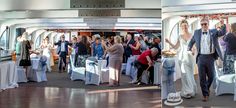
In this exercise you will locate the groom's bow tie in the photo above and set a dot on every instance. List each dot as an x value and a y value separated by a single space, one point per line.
204 33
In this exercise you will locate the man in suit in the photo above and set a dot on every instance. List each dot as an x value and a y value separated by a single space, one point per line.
62 51
208 51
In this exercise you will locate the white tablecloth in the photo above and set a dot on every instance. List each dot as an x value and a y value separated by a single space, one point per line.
8 75
37 70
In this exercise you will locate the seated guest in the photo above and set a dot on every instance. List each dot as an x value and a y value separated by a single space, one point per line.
62 51
230 54
97 49
115 53
145 62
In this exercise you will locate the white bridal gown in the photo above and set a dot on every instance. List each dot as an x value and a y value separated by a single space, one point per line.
48 54
186 63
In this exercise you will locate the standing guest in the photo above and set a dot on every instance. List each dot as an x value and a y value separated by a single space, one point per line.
186 62
145 62
82 51
83 46
97 49
146 40
128 50
208 51
18 49
156 44
144 46
89 45
62 51
136 47
230 39
25 52
115 61
75 41
46 46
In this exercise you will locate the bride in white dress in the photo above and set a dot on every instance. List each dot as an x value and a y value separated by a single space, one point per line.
186 62
46 46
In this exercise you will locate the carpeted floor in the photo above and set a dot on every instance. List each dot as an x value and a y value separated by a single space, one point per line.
223 101
62 80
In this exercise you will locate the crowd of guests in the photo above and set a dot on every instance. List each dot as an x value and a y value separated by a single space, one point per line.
115 49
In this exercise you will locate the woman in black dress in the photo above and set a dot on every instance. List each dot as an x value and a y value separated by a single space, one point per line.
230 53
25 52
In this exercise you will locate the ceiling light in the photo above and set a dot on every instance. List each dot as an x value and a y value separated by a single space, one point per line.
140 20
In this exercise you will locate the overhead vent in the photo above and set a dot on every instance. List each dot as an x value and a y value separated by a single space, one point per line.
99 12
97 4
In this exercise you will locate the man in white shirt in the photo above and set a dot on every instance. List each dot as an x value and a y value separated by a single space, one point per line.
208 51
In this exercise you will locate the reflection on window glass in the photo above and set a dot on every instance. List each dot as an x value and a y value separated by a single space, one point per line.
38 42
175 34
4 41
67 36
30 37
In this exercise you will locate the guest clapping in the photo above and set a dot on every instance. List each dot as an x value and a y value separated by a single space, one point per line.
115 61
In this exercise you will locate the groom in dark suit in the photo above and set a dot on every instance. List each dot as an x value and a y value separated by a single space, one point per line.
208 51
62 51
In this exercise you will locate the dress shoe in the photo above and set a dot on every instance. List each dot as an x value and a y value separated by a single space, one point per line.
139 83
205 98
136 82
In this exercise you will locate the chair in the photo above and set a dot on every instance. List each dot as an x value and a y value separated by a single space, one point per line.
92 72
37 72
224 83
21 72
104 72
235 83
128 69
77 73
157 73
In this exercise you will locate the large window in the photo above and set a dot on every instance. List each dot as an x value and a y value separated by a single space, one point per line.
38 42
4 39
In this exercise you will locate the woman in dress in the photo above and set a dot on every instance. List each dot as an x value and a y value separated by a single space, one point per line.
115 53
136 47
186 62
46 46
230 53
25 52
